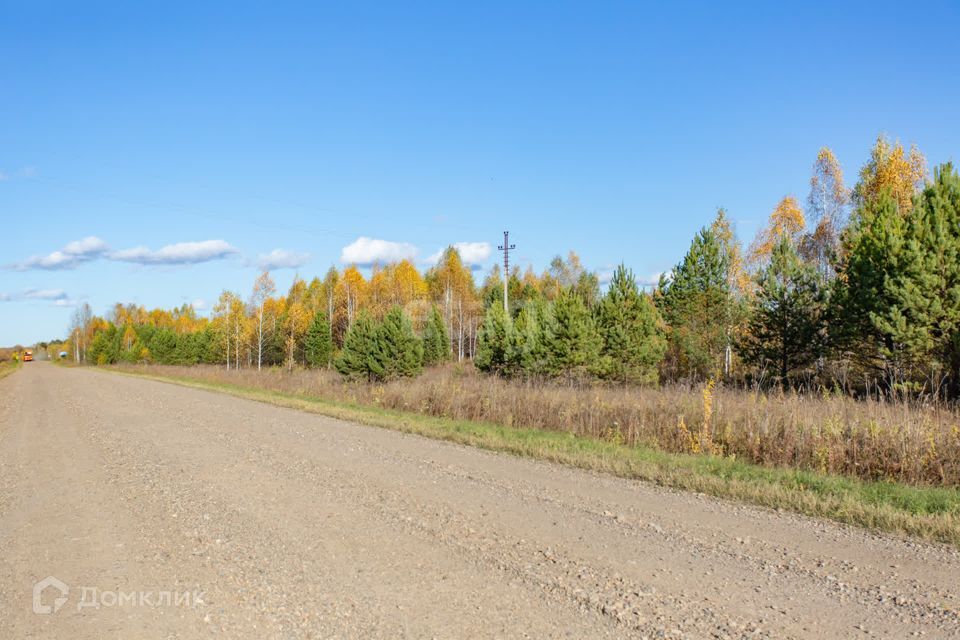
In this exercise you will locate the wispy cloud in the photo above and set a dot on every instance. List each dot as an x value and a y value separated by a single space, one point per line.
199 304
56 297
72 255
45 294
281 259
471 253
605 274
91 248
654 278
366 251
176 254
23 172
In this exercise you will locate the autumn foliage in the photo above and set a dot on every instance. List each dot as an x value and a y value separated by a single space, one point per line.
831 343
854 290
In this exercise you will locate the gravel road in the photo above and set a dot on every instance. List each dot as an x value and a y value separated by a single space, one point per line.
170 512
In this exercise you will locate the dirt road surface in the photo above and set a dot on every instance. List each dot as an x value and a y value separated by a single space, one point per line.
169 512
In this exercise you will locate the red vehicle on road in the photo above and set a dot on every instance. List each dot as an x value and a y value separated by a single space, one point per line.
28 356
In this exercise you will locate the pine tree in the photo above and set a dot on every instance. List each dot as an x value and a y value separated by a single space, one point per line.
872 250
493 341
397 352
923 315
786 329
187 351
319 343
436 342
526 351
162 346
105 347
571 340
698 305
357 357
630 326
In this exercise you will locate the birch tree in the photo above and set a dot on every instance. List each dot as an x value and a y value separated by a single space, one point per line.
263 288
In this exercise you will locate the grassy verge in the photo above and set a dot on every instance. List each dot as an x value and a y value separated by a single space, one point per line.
6 368
930 513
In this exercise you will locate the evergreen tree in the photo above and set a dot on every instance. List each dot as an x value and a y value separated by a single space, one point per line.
359 347
187 349
436 342
319 342
105 347
526 350
397 350
922 317
134 354
630 326
786 329
699 308
493 341
872 250
162 345
208 349
131 343
571 341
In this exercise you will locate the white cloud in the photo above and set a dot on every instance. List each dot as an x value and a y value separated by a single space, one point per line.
23 172
654 278
91 248
281 259
57 297
605 275
472 253
91 245
45 294
366 251
75 253
199 304
176 254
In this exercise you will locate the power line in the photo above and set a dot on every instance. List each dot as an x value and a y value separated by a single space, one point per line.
506 247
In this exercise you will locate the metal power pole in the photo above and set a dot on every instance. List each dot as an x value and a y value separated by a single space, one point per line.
506 247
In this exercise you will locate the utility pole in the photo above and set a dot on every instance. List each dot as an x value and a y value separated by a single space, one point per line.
506 247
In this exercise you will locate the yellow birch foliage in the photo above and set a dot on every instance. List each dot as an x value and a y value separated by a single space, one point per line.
787 220
351 293
892 168
737 276
828 194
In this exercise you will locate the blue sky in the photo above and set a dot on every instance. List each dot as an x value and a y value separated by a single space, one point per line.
152 153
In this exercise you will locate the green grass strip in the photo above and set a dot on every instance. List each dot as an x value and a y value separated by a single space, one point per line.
929 513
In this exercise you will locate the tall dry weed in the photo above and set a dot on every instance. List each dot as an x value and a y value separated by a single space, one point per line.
873 439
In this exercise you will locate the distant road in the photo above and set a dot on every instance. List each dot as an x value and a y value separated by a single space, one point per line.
182 513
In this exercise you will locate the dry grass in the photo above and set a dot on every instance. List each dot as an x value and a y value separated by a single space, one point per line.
932 513
6 368
870 440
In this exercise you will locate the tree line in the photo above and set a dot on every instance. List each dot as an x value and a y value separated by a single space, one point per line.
859 290
311 324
